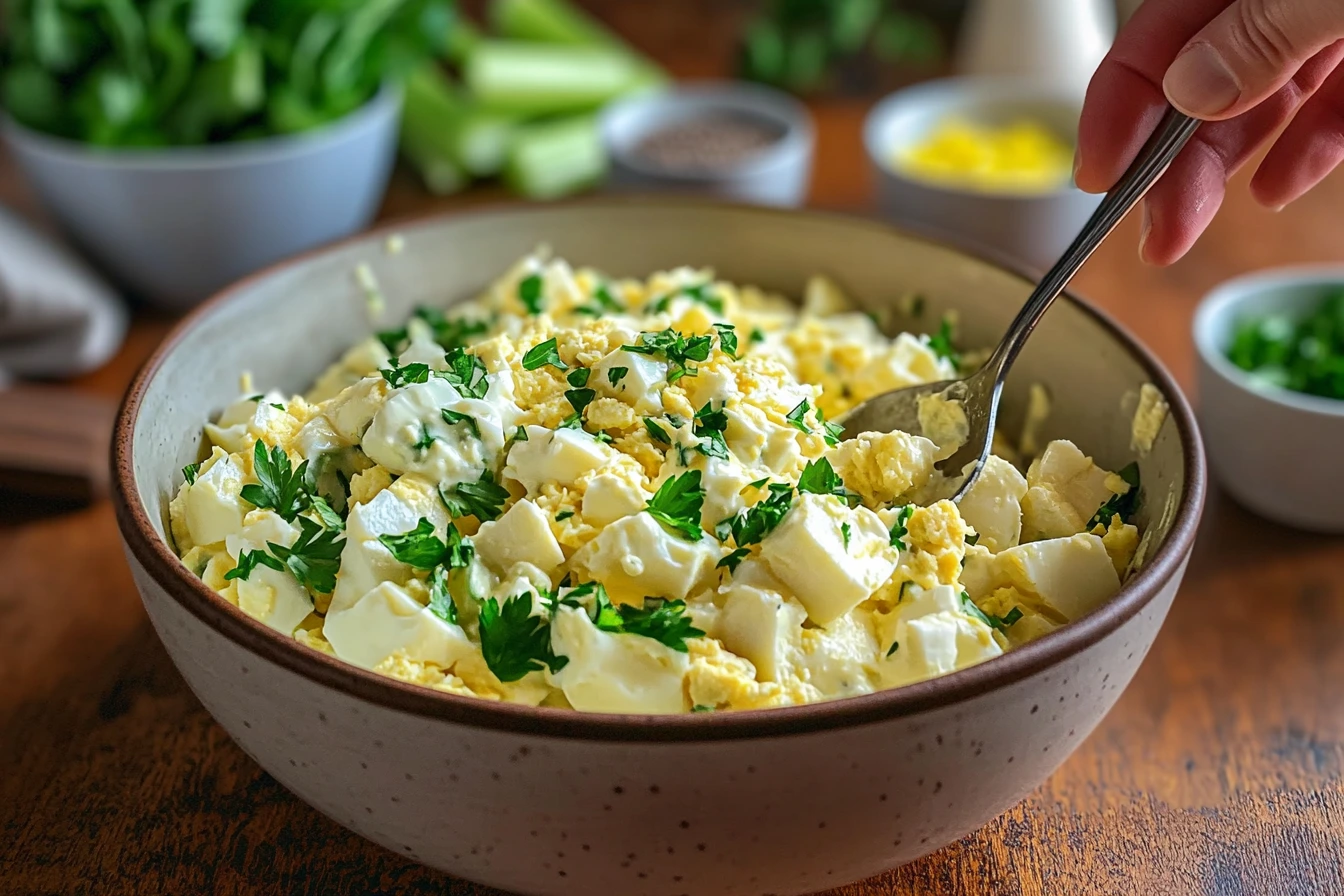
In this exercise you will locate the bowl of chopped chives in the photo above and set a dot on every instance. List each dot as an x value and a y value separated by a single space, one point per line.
1270 352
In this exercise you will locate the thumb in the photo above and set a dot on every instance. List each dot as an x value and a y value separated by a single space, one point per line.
1250 51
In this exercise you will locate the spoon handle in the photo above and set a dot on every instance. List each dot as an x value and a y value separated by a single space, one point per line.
1174 131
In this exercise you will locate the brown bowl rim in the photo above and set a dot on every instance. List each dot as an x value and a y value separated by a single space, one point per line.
164 567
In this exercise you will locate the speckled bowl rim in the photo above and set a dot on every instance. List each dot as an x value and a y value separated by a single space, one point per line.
163 566
1224 301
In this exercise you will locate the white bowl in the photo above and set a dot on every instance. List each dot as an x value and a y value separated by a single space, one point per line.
776 175
551 801
1031 227
1277 452
176 224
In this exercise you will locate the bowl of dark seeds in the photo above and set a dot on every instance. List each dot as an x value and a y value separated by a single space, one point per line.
740 141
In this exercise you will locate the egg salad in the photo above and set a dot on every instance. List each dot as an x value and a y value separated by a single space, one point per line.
631 497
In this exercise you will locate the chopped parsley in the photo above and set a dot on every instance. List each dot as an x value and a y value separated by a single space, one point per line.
1001 624
798 417
529 293
513 641
697 293
677 504
422 549
895 646
844 534
440 601
1123 506
899 532
277 405
700 707
727 339
940 344
452 418
605 299
656 432
466 372
282 489
327 516
757 336
751 525
426 439
398 376
616 374
679 350
1301 352
250 560
820 478
578 399
483 499
189 473
578 377
314 558
520 434
972 540
395 341
709 427
665 621
542 354
831 432
731 561
451 333
563 515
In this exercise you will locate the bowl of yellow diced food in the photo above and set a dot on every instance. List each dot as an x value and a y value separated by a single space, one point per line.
988 161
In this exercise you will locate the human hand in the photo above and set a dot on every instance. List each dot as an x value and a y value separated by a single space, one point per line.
1246 66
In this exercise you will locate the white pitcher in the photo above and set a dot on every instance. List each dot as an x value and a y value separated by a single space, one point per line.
1062 41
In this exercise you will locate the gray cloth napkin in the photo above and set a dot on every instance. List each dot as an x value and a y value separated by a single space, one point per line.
57 318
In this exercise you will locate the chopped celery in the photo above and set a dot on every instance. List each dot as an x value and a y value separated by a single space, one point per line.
555 158
541 79
437 115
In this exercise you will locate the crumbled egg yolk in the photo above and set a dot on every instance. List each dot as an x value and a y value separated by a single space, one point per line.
625 496
1023 156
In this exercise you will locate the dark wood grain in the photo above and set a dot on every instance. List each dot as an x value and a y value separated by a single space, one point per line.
1218 773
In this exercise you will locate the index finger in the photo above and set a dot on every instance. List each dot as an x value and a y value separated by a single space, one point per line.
1125 100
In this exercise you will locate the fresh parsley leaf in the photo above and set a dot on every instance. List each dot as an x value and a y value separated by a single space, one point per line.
697 293
419 547
277 405
709 428
189 473
451 333
898 530
895 646
563 515
831 432
759 483
529 293
513 641
700 707
844 534
665 621
282 489
605 298
798 417
732 560
395 341
542 354
328 517
616 374
466 372
727 339
677 504
258 398
940 344
656 432
484 499
520 434
426 439
578 399
1123 506
751 525
452 418
440 601
679 350
973 539
969 607
398 376
314 558
757 336
250 560
820 478
578 377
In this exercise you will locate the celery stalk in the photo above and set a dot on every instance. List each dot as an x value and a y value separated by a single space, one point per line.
542 79
437 116
549 21
461 41
441 175
555 158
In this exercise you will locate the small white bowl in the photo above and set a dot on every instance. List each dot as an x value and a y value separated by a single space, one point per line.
1276 452
1033 227
777 174
175 224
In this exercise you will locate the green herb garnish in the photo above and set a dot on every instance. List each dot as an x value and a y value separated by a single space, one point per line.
750 526
732 560
820 478
899 532
513 641
656 432
189 473
578 377
679 350
484 499
282 489
844 534
452 418
520 434
895 646
451 333
677 504
798 417
426 439
314 558
727 339
1299 353
994 622
542 354
616 374
422 549
665 621
940 344
250 560
529 293
327 516
398 376
709 428
466 372
440 601
1123 506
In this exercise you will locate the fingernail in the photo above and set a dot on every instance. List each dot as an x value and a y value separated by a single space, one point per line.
1200 83
1145 228
1077 162
1278 208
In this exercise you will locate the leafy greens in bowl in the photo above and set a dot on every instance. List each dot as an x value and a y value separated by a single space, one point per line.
117 73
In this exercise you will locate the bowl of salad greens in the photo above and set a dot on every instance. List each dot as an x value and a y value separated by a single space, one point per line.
1270 352
186 143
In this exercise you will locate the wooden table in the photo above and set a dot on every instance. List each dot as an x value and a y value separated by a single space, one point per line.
1218 773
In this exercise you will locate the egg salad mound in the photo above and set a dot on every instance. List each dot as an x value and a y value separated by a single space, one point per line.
630 496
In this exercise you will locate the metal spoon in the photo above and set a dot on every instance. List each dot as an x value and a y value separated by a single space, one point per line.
979 393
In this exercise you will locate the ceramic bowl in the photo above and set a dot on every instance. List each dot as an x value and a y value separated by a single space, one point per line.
1276 452
174 225
776 175
548 801
1031 227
